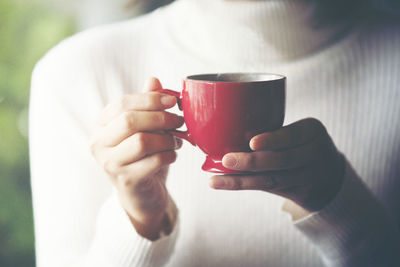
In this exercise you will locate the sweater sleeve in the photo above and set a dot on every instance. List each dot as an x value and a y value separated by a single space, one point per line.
354 229
117 244
78 220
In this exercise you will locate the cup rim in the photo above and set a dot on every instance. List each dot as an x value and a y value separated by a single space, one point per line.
207 77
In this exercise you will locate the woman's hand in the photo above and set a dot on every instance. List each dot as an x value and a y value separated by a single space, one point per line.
299 162
131 145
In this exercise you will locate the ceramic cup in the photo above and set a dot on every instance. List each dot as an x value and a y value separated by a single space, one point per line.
223 111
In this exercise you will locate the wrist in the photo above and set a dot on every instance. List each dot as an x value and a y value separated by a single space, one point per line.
150 227
158 225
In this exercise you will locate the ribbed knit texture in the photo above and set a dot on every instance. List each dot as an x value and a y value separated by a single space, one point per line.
346 75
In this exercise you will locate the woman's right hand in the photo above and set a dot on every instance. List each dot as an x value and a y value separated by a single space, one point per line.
133 148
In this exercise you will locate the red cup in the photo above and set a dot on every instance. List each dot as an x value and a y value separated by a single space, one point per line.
222 112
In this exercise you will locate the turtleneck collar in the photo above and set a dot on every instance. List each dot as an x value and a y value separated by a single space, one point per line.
271 30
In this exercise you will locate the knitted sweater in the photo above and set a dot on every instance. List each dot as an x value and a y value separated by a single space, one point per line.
345 74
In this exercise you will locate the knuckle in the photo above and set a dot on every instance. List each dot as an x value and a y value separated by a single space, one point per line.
164 158
109 166
152 100
128 121
124 180
141 143
249 162
236 184
158 160
161 118
315 124
169 141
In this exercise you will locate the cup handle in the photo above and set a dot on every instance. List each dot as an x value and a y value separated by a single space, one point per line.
181 134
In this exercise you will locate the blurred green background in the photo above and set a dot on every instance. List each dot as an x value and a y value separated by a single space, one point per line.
29 28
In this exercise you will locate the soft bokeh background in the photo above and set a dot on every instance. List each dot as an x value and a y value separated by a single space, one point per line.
29 28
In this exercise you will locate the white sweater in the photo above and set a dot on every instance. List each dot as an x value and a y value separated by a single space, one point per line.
345 75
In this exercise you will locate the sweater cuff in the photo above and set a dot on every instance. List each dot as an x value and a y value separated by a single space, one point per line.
116 242
351 228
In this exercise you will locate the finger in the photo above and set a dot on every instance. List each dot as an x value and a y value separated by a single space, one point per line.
297 185
259 182
153 84
278 160
271 181
132 122
132 174
141 145
141 102
296 134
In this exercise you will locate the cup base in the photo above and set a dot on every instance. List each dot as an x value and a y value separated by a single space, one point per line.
214 164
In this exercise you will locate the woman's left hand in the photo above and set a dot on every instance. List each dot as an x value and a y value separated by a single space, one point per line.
299 162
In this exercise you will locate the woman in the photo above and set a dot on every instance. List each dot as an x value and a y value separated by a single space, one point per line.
339 208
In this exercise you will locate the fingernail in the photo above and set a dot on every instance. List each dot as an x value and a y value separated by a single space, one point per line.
218 183
229 161
178 142
253 144
257 143
168 100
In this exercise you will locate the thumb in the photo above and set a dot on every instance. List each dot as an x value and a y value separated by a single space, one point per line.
153 84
